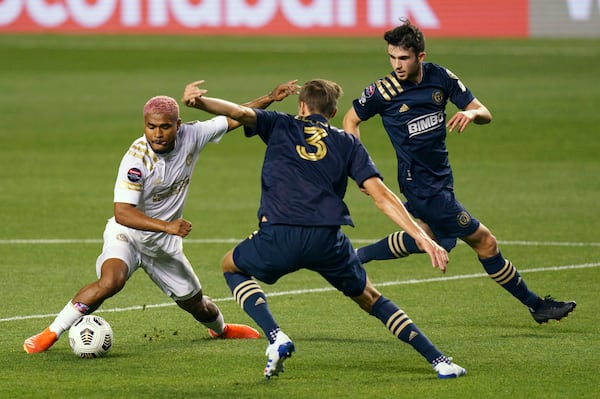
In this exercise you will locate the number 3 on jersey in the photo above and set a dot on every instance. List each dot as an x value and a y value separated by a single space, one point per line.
315 137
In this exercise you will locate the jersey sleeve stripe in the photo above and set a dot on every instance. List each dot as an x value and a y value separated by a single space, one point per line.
389 87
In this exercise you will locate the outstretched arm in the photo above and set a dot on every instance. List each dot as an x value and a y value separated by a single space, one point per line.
192 93
392 207
239 113
277 94
474 112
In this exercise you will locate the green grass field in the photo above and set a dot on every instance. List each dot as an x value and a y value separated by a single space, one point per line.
70 107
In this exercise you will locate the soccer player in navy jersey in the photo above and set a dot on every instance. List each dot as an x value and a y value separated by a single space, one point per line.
305 173
411 101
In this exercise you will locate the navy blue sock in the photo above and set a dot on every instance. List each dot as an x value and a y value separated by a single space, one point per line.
402 327
504 273
396 245
248 294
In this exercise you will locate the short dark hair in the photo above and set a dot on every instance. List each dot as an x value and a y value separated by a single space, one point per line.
321 95
407 36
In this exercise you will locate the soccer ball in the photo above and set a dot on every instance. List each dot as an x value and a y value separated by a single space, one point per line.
90 337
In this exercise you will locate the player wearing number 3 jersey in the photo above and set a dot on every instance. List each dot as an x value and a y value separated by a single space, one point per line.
305 173
147 229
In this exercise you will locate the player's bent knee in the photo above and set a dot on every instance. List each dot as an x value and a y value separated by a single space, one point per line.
110 286
227 264
487 247
368 298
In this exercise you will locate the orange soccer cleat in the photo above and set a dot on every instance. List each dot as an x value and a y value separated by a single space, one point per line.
40 342
236 331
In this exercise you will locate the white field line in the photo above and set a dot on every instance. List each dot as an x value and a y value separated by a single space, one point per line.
326 289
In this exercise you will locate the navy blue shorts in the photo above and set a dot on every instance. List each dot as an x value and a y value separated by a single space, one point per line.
447 218
277 250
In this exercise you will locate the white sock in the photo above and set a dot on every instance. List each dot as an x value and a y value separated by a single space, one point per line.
217 326
65 319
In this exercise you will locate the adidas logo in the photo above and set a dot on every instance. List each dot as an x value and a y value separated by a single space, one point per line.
404 108
259 301
412 335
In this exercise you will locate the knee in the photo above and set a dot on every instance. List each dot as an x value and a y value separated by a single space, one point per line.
113 276
490 244
368 298
110 285
486 245
227 264
106 291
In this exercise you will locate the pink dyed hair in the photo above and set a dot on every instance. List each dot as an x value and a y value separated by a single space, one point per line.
162 105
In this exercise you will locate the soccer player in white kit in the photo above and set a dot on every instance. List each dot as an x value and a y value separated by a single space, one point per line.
147 228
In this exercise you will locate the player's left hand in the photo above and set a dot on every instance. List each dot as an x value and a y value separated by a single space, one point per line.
460 120
437 254
192 92
284 89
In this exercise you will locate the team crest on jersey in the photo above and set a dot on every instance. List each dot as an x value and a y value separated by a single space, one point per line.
437 96
463 218
188 159
367 93
134 175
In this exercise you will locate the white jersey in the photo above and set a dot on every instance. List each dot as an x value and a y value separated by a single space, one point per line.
157 184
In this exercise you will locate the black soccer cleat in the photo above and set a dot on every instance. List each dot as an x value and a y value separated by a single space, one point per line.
552 309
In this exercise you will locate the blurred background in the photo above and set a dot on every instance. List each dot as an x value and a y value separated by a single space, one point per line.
441 18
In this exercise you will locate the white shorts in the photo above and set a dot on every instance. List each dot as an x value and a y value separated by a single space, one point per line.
172 273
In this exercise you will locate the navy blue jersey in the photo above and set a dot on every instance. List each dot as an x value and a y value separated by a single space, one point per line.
414 117
306 168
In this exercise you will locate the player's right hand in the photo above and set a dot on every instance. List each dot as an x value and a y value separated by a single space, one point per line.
437 254
285 89
179 227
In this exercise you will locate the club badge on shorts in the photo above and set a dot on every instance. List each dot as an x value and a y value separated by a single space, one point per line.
463 218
